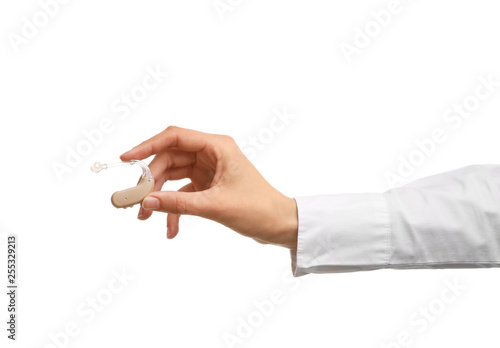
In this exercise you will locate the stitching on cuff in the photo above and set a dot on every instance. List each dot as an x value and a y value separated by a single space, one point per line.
388 239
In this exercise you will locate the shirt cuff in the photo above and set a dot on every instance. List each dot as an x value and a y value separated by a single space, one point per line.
341 233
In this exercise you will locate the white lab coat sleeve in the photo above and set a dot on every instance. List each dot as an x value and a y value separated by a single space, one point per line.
442 221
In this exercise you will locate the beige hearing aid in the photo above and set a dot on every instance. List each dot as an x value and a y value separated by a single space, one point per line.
134 195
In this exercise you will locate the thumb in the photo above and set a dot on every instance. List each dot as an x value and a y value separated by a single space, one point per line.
177 202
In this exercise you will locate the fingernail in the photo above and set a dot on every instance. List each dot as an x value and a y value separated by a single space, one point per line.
151 203
168 233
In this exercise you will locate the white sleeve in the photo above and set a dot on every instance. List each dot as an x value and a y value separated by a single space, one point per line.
442 221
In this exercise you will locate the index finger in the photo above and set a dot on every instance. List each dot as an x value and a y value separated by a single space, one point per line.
172 137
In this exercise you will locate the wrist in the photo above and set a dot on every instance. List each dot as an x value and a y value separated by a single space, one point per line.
289 224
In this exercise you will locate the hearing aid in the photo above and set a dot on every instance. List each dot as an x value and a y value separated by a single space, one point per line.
134 195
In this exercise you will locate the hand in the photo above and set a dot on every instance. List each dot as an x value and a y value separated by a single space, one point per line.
225 186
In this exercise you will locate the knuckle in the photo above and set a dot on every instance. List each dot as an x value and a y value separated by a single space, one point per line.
228 139
180 205
171 128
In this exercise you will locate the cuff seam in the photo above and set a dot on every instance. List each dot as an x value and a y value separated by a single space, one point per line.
388 230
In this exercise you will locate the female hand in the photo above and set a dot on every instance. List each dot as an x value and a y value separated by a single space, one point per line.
225 186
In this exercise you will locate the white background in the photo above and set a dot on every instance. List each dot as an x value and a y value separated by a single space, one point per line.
227 74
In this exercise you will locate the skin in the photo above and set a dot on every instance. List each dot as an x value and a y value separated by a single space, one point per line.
225 186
